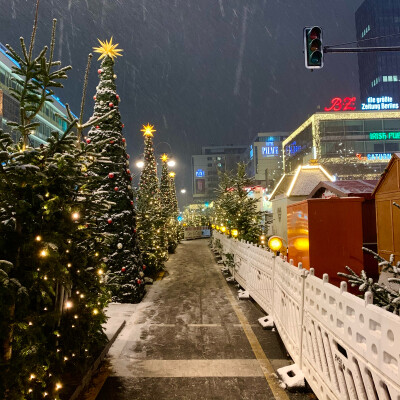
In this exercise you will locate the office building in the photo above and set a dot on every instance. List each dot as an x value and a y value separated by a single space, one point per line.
379 72
264 158
207 165
350 145
9 108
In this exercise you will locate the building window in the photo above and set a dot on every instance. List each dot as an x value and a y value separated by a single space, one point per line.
209 158
365 31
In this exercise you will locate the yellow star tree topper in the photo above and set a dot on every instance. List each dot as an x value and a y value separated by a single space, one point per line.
108 49
148 130
164 158
172 174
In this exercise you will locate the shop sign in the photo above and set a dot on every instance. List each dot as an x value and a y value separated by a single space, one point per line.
379 156
270 150
342 104
200 173
384 136
379 103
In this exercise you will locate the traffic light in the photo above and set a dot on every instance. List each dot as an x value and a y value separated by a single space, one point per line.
313 49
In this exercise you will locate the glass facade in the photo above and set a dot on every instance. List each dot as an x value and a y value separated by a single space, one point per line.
351 148
48 118
379 72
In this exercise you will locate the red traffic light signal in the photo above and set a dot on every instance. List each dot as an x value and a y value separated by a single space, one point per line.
313 49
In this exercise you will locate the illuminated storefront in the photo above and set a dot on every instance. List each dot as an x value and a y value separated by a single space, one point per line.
351 144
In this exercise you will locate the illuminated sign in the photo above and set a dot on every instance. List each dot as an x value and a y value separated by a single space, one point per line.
379 156
292 149
339 104
380 103
384 136
270 150
200 173
251 152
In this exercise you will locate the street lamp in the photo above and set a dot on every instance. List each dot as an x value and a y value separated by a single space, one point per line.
140 164
183 191
171 163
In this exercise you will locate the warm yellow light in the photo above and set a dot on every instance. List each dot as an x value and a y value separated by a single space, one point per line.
68 304
223 229
172 174
213 226
217 227
140 164
32 376
275 243
100 272
148 130
301 244
235 232
107 49
75 216
58 386
96 254
262 237
43 253
38 238
95 311
164 158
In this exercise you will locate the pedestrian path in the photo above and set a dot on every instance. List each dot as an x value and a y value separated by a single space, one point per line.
191 338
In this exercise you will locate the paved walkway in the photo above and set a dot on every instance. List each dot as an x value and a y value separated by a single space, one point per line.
191 338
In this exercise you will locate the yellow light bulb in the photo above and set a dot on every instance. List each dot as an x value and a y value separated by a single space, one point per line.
275 243
38 238
43 253
75 216
58 386
95 311
68 304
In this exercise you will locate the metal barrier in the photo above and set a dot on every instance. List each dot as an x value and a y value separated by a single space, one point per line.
347 348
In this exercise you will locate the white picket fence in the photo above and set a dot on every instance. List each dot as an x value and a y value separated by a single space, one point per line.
347 348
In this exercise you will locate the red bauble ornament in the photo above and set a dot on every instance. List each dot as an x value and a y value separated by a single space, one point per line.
128 156
97 127
123 125
139 281
111 175
116 188
117 96
128 171
109 220
88 141
111 105
94 97
144 267
131 202
123 140
130 178
112 141
99 71
134 231
123 269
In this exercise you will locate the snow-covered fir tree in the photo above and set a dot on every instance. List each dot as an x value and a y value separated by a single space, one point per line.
125 267
168 213
51 293
150 221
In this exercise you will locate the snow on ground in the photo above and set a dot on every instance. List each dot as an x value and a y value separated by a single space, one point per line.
266 322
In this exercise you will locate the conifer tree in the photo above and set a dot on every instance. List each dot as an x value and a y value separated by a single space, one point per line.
106 142
150 222
51 293
168 212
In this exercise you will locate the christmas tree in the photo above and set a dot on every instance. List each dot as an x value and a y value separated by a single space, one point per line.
234 209
175 210
150 221
106 142
51 286
168 205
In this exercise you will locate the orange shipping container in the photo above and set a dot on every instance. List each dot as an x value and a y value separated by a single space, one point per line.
327 235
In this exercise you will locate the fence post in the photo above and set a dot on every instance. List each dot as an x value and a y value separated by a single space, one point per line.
273 287
303 285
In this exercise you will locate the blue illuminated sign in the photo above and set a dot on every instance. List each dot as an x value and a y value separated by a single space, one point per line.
251 152
293 149
200 173
380 103
270 150
379 156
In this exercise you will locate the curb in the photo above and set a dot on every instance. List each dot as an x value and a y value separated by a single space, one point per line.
88 376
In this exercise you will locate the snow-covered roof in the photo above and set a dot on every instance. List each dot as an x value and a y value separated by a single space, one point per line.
363 188
395 156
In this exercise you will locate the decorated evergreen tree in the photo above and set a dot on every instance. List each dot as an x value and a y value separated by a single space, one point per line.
106 142
150 221
51 289
175 211
168 205
235 209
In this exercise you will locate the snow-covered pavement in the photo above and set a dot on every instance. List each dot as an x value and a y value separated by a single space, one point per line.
191 338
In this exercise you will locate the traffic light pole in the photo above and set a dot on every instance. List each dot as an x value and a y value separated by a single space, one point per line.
329 49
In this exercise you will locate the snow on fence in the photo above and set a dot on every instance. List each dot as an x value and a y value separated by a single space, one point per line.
347 348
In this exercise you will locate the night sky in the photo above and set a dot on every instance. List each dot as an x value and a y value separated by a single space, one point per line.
204 72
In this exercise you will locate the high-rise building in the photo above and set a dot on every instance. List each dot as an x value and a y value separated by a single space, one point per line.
264 158
379 72
48 117
207 165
